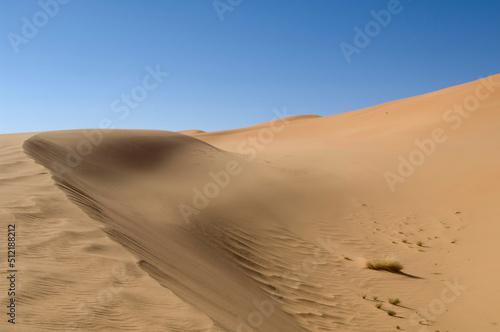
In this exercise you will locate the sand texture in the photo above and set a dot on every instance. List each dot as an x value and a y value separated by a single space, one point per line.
265 228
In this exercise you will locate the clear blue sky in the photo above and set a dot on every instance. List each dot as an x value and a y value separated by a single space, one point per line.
229 73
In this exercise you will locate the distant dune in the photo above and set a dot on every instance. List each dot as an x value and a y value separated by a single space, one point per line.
191 132
265 228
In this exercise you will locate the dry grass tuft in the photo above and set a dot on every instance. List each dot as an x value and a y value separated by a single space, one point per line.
391 313
388 263
395 301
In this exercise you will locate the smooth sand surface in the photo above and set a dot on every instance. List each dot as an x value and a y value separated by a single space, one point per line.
265 228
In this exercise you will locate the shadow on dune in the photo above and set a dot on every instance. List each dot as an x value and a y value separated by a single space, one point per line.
133 182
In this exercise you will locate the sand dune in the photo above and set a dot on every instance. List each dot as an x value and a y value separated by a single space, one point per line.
265 228
191 132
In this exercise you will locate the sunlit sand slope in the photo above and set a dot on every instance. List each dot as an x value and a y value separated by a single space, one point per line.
265 228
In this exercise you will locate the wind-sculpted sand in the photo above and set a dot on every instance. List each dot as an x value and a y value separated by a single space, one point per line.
265 228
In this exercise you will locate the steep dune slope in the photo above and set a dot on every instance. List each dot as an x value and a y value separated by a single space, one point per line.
70 275
134 182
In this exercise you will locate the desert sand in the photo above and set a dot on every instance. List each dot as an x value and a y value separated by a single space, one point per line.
265 228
